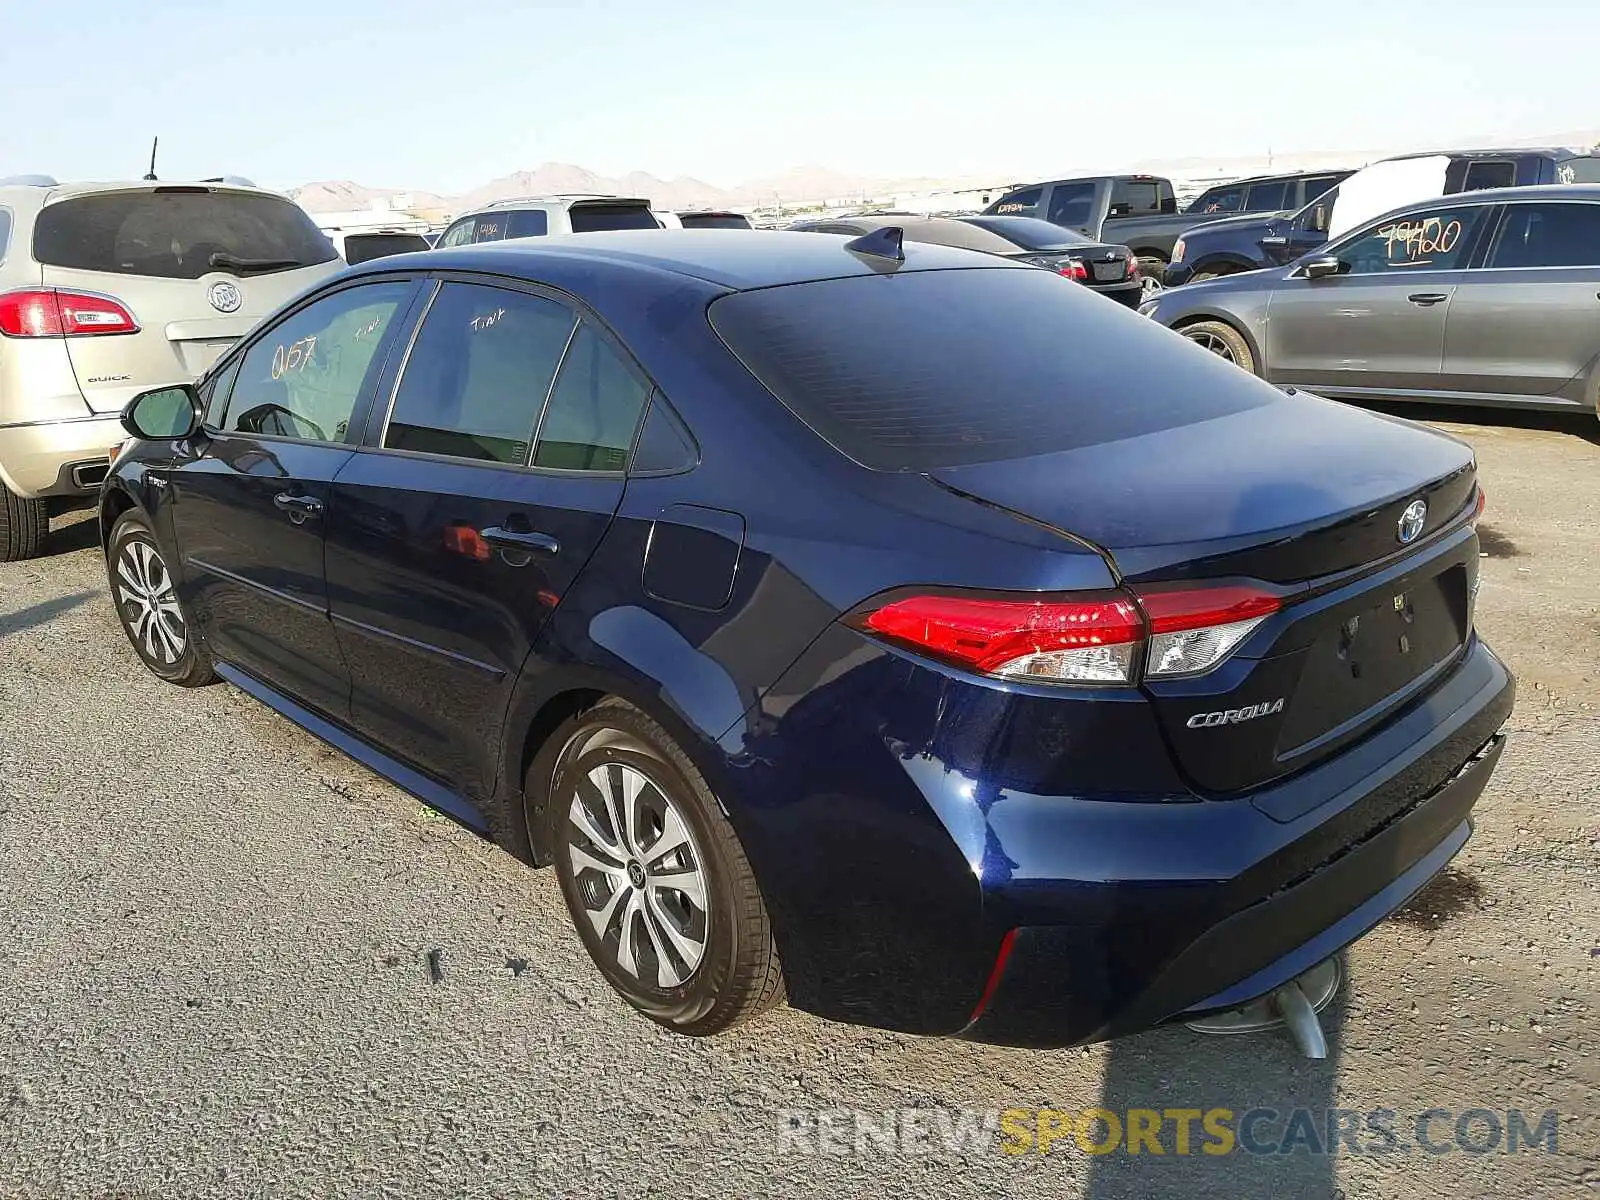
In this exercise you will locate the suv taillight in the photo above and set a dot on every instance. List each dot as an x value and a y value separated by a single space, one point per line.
60 312
1091 637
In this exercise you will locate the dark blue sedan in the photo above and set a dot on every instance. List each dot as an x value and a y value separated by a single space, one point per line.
908 633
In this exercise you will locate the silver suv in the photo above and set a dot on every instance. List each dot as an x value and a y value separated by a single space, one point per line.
536 216
109 289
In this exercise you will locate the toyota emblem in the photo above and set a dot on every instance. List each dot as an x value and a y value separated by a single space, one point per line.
1412 521
224 296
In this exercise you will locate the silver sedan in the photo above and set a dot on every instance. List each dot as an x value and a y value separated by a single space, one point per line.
1489 297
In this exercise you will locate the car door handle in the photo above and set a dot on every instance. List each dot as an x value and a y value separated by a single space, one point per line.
299 508
516 539
1426 298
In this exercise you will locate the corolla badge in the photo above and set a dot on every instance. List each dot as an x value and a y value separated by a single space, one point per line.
224 296
1412 521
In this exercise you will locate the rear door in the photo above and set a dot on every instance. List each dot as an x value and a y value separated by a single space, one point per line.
1379 324
195 266
1528 321
481 494
249 513
1072 206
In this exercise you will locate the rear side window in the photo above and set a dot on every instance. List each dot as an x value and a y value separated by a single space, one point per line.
178 233
527 222
5 232
477 378
594 411
363 247
590 218
1548 235
490 227
1489 174
1266 197
930 369
1024 203
1071 204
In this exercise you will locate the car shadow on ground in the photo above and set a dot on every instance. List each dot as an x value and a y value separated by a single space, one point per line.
42 613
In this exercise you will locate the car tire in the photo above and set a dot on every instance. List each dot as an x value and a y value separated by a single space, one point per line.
24 524
146 598
1223 340
1202 276
680 932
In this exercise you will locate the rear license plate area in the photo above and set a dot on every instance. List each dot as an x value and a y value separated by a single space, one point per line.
1374 651
1108 272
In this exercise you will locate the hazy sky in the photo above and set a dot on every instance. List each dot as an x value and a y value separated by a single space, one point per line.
444 96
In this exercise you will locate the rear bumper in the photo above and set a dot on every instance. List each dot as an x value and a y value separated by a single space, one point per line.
58 458
1122 956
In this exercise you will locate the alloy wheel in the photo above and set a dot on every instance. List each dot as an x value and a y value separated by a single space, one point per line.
1211 342
640 875
149 604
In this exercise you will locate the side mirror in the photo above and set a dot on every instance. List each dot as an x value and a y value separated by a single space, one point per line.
1319 218
163 414
1321 268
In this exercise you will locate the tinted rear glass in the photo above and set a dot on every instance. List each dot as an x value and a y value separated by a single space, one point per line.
713 221
930 369
361 247
1489 174
175 234
1030 233
1578 170
590 218
527 222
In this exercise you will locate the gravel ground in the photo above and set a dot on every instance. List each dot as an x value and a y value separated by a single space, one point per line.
233 963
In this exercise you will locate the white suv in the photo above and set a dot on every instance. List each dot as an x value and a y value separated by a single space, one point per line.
110 289
536 216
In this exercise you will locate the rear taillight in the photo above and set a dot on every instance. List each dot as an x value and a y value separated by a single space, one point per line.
60 312
1093 637
1133 267
1073 268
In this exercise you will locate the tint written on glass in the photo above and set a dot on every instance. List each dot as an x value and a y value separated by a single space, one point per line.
303 377
1438 240
594 410
929 369
1548 235
1018 204
477 377
174 234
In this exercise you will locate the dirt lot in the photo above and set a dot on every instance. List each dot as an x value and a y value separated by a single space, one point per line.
215 961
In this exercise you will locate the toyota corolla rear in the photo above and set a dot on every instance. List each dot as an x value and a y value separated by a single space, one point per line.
1233 714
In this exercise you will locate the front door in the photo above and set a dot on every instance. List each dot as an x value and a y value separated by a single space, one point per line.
1378 325
486 488
1528 322
249 512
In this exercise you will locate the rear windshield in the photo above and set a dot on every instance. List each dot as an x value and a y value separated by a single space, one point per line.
1029 232
360 247
713 221
591 218
926 369
178 233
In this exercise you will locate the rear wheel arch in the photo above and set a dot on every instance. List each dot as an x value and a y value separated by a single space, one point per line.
113 504
1210 318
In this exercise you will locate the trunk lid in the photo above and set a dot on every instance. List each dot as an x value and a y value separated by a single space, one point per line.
1309 497
150 249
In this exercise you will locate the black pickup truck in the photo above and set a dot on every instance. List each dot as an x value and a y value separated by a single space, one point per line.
1141 211
1248 243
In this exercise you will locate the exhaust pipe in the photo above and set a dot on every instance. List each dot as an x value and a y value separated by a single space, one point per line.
1293 1006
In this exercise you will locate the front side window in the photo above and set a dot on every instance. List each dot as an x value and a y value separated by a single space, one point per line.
1071 205
1489 174
303 377
178 233
594 409
459 234
1219 200
477 377
1266 197
1548 235
1023 203
1438 240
